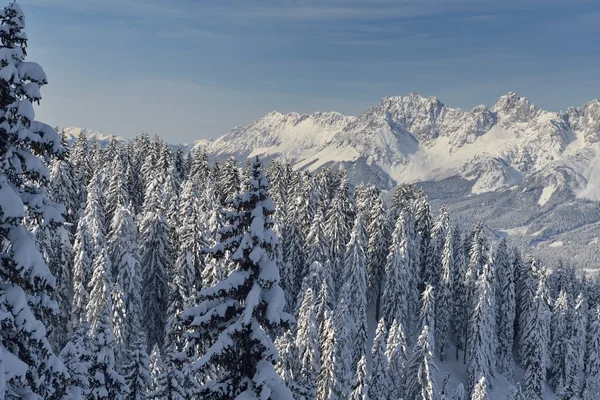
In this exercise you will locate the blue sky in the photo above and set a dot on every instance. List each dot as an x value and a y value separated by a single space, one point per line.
194 69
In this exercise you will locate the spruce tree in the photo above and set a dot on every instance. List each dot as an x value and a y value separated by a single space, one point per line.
154 261
445 297
397 358
427 314
579 336
105 381
137 371
377 249
380 381
307 345
505 309
126 270
480 391
360 388
326 380
76 357
250 298
420 384
481 347
400 281
591 389
29 366
533 345
355 288
561 365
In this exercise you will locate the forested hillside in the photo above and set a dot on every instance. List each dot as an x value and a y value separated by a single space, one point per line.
135 271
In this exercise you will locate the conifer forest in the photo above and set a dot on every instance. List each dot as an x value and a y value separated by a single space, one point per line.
139 270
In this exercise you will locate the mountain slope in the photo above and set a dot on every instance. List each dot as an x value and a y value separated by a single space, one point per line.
412 138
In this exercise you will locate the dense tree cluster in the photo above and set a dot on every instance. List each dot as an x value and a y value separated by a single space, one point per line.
136 270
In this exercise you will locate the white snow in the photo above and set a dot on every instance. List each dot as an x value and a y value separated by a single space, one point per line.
558 243
546 194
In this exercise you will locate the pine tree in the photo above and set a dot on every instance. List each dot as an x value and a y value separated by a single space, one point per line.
83 252
461 314
293 249
105 381
76 357
190 263
251 298
338 229
361 387
380 381
591 389
533 345
396 301
428 269
81 167
505 310
307 345
445 297
63 188
117 194
230 181
137 371
316 241
29 366
579 336
560 364
355 288
419 374
169 384
480 391
481 349
427 314
397 357
326 380
154 261
377 249
126 294
343 351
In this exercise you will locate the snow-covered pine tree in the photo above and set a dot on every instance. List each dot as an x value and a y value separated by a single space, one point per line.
105 381
326 380
126 271
55 242
379 388
361 386
461 314
478 257
533 345
83 253
64 189
190 261
439 231
343 350
420 384
505 309
579 337
397 359
170 379
377 250
293 270
237 315
81 167
591 389
307 346
481 347
117 194
338 228
427 314
230 181
137 370
355 288
400 281
480 391
560 365
428 272
95 213
445 297
76 357
29 366
526 281
154 263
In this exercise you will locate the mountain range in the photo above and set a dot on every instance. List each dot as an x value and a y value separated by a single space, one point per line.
533 175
